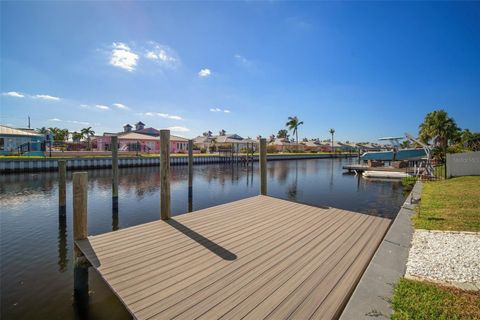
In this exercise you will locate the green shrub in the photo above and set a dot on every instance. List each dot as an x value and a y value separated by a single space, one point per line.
271 149
409 182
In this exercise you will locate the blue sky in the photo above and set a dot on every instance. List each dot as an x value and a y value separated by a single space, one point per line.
366 69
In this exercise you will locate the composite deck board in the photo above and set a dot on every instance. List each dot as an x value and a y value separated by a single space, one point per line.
255 258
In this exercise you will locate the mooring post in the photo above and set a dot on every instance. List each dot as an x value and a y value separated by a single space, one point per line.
190 175
62 187
165 174
263 166
114 171
80 270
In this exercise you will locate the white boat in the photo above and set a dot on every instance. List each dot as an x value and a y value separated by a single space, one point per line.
385 174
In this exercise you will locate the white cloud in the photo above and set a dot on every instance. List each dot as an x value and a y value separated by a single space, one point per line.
84 106
242 60
102 107
204 73
46 97
178 129
162 115
219 110
161 54
121 106
83 123
13 94
123 57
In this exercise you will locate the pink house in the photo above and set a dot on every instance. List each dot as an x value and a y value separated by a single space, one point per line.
133 141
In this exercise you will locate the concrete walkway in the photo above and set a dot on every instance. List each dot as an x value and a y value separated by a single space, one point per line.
370 300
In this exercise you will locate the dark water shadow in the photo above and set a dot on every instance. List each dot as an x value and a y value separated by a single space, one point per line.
205 242
62 241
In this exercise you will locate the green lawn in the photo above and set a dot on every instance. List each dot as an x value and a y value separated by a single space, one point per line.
424 300
452 204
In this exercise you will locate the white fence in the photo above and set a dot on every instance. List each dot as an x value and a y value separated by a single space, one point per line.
463 164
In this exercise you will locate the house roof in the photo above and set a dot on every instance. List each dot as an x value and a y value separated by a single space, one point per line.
280 142
4 130
140 123
136 136
140 136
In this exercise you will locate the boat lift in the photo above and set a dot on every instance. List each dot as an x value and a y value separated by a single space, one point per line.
427 149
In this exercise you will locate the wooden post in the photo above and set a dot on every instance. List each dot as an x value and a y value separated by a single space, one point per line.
165 174
80 184
62 186
190 175
190 163
80 270
114 171
263 166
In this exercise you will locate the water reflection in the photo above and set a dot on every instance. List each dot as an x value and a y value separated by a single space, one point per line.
62 242
115 217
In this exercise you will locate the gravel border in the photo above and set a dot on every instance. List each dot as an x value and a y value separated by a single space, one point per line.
451 258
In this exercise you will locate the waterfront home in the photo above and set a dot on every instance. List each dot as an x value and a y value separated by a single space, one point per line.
227 143
21 141
285 145
316 145
145 140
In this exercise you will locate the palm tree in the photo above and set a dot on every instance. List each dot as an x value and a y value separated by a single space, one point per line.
87 133
77 136
332 132
56 133
293 124
282 134
42 130
439 127
64 133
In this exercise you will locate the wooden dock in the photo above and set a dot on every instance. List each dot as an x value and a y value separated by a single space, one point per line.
257 258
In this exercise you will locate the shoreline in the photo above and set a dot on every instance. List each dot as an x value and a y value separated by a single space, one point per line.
20 165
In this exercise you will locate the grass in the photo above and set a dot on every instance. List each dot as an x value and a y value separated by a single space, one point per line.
409 182
439 171
424 300
452 204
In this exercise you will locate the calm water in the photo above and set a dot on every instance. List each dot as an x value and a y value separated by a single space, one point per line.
36 247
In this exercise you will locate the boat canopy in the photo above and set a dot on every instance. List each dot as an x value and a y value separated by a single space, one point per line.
405 154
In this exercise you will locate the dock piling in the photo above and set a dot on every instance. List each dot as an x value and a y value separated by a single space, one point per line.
115 171
263 166
80 270
62 186
165 174
190 175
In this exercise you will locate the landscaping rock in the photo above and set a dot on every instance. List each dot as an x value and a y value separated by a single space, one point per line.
446 257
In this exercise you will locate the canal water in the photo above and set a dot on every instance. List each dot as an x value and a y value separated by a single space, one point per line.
36 246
